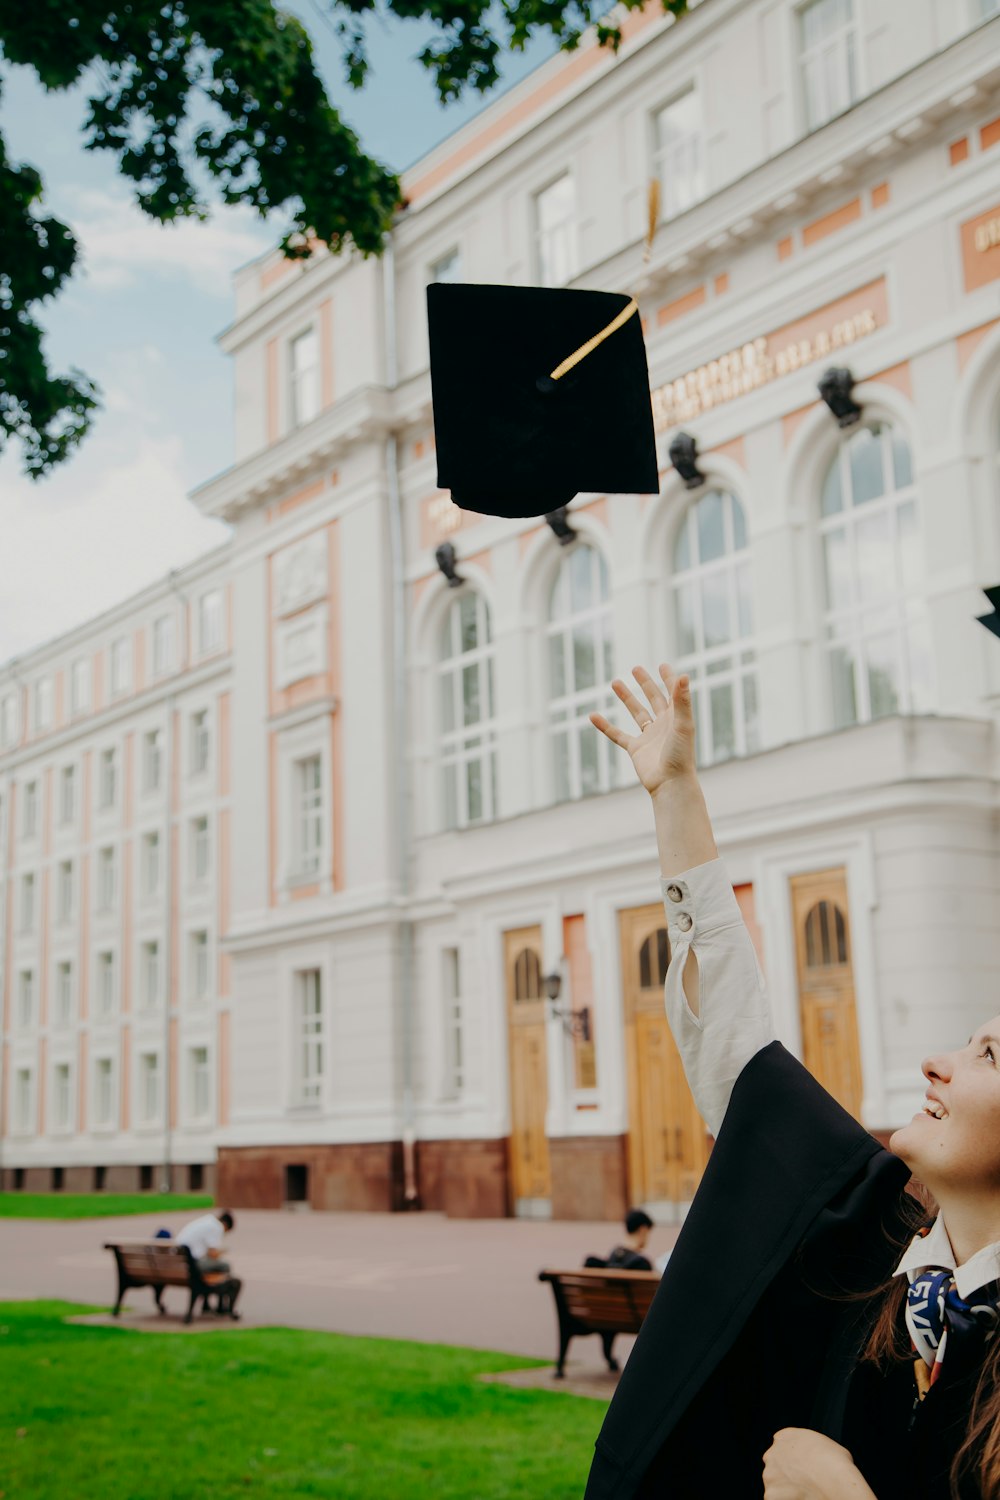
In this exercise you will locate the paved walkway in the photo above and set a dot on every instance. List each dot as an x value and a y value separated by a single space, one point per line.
412 1276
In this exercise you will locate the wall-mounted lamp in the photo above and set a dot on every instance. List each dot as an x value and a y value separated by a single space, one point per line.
576 1023
835 387
444 556
683 454
563 532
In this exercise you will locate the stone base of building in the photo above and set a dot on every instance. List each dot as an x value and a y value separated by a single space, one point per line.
197 1177
341 1179
589 1177
464 1179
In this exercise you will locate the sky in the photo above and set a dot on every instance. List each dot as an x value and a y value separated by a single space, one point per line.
140 316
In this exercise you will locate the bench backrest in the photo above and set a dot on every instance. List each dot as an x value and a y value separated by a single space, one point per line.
605 1299
169 1263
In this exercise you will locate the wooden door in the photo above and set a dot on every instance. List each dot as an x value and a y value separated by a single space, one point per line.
830 1047
668 1145
531 1179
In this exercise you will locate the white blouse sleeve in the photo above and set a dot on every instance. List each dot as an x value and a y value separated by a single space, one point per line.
734 1020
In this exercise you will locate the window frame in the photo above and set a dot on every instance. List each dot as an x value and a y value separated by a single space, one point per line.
539 234
295 376
799 53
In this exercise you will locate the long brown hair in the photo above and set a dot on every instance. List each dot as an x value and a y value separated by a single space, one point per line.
978 1457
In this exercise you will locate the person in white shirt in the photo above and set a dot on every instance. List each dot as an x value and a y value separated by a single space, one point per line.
809 1323
204 1238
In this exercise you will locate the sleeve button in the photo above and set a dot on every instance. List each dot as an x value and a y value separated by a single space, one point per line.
674 892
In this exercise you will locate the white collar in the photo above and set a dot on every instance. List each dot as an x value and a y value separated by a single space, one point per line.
934 1249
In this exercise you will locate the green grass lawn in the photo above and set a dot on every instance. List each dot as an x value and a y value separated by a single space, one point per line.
95 1205
114 1414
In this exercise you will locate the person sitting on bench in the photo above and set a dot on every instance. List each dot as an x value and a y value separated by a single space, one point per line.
204 1238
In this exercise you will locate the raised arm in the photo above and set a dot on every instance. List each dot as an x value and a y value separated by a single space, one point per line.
720 1017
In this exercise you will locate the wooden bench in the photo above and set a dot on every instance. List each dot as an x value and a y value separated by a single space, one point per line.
599 1301
158 1264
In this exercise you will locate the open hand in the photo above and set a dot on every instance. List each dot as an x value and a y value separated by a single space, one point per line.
804 1465
665 751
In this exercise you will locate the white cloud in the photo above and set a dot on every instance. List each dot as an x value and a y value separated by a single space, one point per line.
123 247
104 526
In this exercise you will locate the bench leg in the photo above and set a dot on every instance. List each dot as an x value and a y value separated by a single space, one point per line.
560 1369
122 1284
190 1311
158 1298
607 1339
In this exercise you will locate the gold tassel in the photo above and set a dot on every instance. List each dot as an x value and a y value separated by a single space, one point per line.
654 216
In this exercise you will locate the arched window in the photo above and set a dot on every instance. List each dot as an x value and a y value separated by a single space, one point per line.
467 728
527 976
877 636
826 936
580 673
713 626
654 960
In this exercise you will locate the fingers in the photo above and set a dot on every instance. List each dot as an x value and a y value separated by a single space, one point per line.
657 698
613 733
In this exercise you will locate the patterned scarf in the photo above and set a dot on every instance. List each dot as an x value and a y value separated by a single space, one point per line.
935 1312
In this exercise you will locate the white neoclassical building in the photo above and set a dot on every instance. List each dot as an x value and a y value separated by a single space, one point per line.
293 841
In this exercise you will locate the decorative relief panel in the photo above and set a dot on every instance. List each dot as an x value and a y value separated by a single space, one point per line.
300 573
300 648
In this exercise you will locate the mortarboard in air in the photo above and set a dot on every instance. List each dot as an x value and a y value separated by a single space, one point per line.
538 394
992 620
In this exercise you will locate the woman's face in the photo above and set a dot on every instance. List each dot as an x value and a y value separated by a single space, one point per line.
961 1150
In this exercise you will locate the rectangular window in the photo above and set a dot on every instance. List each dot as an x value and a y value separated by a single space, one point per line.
67 795
23 1100
309 1024
79 686
26 998
150 865
200 852
108 779
304 390
150 975
64 993
163 645
200 1084
103 1091
448 268
678 162
105 983
121 665
555 232
107 879
199 967
308 815
27 903
152 760
64 891
200 746
210 621
828 59
453 1048
61 1102
149 1087
8 719
29 810
43 703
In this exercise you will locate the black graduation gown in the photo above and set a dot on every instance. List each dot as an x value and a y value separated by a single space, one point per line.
743 1338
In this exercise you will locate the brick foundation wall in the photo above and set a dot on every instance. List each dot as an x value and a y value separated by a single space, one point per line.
358 1178
589 1177
464 1179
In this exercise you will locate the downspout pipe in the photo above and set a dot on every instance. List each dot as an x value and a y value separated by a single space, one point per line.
168 892
401 819
6 1011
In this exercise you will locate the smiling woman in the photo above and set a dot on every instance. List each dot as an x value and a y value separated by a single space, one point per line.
840 1334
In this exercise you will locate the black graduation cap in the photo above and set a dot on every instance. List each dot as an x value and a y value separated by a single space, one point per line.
538 394
992 620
